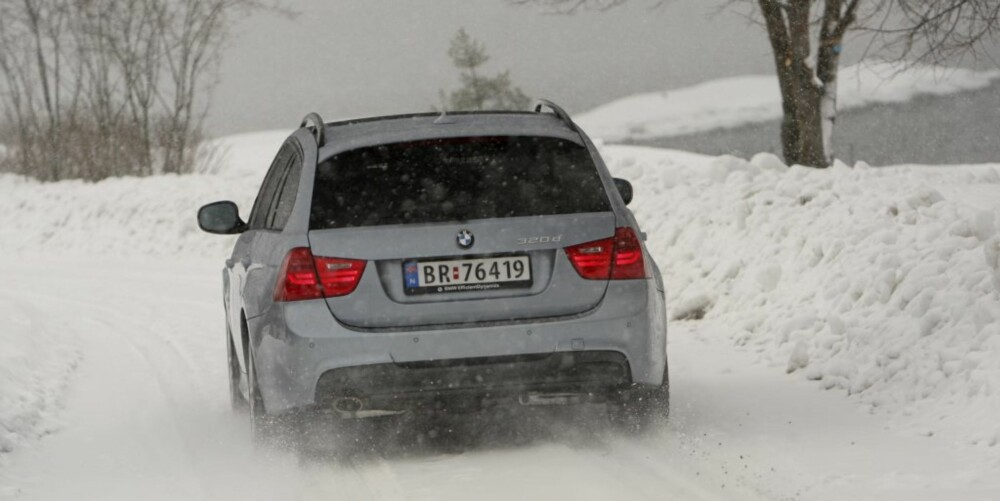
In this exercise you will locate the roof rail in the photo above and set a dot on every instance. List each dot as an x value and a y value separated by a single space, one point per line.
559 112
319 126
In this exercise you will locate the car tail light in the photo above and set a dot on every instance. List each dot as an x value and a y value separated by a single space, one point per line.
617 258
592 260
629 263
339 276
303 276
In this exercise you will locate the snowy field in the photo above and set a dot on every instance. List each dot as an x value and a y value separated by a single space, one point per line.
737 101
835 335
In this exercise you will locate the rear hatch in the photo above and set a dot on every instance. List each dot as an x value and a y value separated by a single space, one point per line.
461 230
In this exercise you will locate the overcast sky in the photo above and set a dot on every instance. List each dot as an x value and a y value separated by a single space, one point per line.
349 58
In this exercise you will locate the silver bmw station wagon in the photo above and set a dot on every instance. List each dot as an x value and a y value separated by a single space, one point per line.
444 262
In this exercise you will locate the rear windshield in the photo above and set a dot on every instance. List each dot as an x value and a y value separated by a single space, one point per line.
455 180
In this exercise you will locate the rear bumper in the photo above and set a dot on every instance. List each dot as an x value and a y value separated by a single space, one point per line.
461 383
306 358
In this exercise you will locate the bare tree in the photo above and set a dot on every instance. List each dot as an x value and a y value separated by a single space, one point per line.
807 36
101 88
31 35
192 34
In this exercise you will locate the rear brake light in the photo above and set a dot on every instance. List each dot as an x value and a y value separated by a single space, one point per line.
592 260
629 262
303 276
297 278
617 258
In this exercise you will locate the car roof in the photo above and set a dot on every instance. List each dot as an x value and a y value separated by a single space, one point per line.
351 134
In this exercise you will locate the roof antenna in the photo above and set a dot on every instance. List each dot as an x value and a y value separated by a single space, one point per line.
443 118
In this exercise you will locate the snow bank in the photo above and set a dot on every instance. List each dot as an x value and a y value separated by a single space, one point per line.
36 361
120 216
868 281
731 102
128 216
242 155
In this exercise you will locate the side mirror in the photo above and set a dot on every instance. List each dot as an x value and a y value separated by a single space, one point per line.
221 218
624 189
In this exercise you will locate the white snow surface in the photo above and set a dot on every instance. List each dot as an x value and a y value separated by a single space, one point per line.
877 285
870 281
130 216
36 360
735 101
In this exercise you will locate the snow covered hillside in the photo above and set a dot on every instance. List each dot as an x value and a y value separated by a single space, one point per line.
847 289
731 102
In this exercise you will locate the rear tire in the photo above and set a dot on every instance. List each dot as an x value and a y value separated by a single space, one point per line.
262 427
237 400
282 431
639 410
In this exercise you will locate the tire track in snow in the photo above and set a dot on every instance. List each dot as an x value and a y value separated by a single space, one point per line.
148 419
557 455
143 339
37 367
132 355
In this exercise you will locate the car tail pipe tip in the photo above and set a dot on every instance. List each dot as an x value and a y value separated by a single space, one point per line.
535 398
348 404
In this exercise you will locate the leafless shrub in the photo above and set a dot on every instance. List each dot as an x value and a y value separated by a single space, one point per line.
99 88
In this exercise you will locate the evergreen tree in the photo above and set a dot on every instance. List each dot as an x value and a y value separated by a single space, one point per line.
479 92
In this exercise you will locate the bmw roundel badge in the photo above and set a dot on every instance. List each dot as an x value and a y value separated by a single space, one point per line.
465 239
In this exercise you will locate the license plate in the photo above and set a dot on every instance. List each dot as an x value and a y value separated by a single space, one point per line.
466 275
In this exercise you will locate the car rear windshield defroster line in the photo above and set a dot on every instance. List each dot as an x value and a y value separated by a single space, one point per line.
455 179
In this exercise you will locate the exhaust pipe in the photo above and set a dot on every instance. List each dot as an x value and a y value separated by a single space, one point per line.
534 398
348 404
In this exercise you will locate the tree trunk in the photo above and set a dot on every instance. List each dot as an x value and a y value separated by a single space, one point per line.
809 147
802 125
809 97
809 111
837 18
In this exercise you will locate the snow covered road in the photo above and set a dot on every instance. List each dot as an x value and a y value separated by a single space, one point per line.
145 416
878 286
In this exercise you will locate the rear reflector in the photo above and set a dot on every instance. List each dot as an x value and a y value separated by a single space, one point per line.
303 276
617 258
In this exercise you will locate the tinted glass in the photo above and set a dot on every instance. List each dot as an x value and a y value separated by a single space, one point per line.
265 196
282 207
455 180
